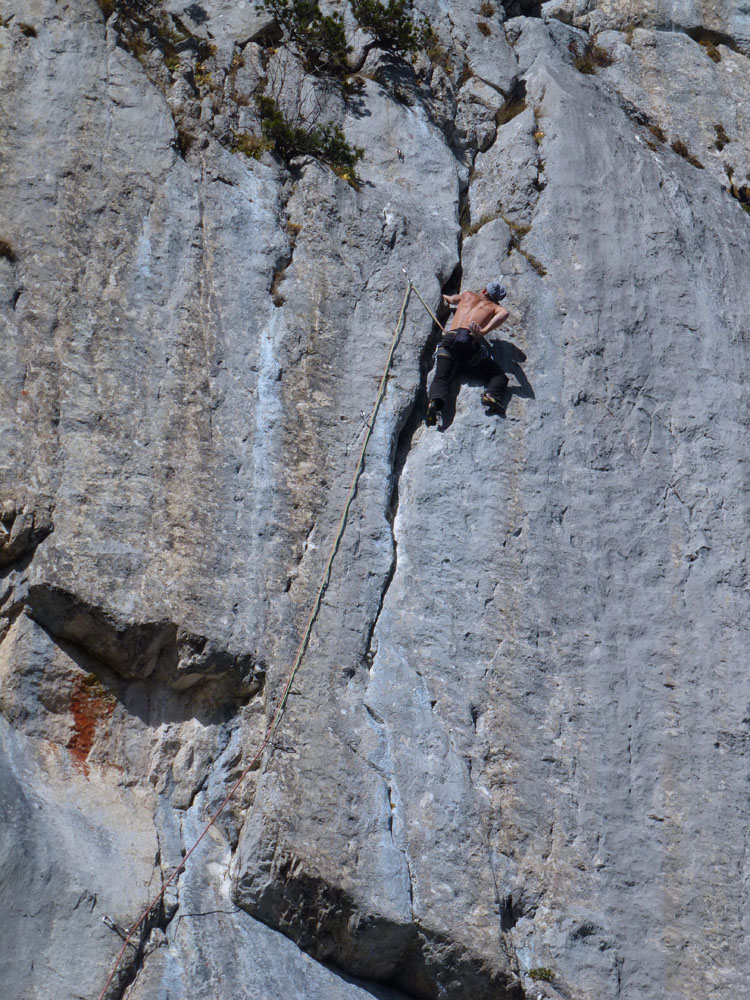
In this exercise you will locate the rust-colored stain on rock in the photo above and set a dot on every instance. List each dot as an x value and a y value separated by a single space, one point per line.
90 705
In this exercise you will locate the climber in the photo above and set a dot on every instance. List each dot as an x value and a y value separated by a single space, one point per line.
476 315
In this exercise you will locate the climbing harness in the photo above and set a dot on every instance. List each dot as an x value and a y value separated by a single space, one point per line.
302 649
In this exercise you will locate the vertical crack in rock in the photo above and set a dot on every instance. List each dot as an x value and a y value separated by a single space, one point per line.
403 445
285 259
159 920
300 555
401 848
153 934
136 955
412 419
387 776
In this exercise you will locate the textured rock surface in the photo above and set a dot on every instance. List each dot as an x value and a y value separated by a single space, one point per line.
518 739
708 19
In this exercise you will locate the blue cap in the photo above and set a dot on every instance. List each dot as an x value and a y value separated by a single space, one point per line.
496 291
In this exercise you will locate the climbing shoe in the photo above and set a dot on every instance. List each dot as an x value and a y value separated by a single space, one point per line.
433 408
494 405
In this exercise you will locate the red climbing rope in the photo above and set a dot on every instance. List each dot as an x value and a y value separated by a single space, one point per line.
300 651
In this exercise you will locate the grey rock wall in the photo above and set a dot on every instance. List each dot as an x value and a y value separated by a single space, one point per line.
513 762
709 21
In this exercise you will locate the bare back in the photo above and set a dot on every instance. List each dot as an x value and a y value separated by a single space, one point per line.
473 308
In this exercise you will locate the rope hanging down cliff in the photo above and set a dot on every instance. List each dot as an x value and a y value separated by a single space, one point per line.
304 642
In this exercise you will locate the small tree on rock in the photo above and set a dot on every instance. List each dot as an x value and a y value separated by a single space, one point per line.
320 39
289 138
391 25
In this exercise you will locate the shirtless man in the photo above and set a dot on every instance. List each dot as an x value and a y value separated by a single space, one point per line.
476 315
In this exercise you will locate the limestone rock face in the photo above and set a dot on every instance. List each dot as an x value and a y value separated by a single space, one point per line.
513 760
709 20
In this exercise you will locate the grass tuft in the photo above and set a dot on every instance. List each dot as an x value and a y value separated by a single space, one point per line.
276 297
251 146
7 252
542 973
437 53
509 110
710 41
474 227
515 103
540 269
711 50
681 149
592 58
722 139
741 192
657 132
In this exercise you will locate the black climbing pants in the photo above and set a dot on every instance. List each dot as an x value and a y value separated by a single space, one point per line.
459 350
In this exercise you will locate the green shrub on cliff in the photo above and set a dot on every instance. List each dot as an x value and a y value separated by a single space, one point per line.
319 38
324 142
391 25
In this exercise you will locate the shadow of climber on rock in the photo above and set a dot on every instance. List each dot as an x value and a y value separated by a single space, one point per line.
509 358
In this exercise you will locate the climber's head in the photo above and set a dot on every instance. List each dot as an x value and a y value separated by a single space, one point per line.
494 291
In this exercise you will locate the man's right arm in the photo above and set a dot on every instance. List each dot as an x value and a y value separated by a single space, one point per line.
452 300
501 314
